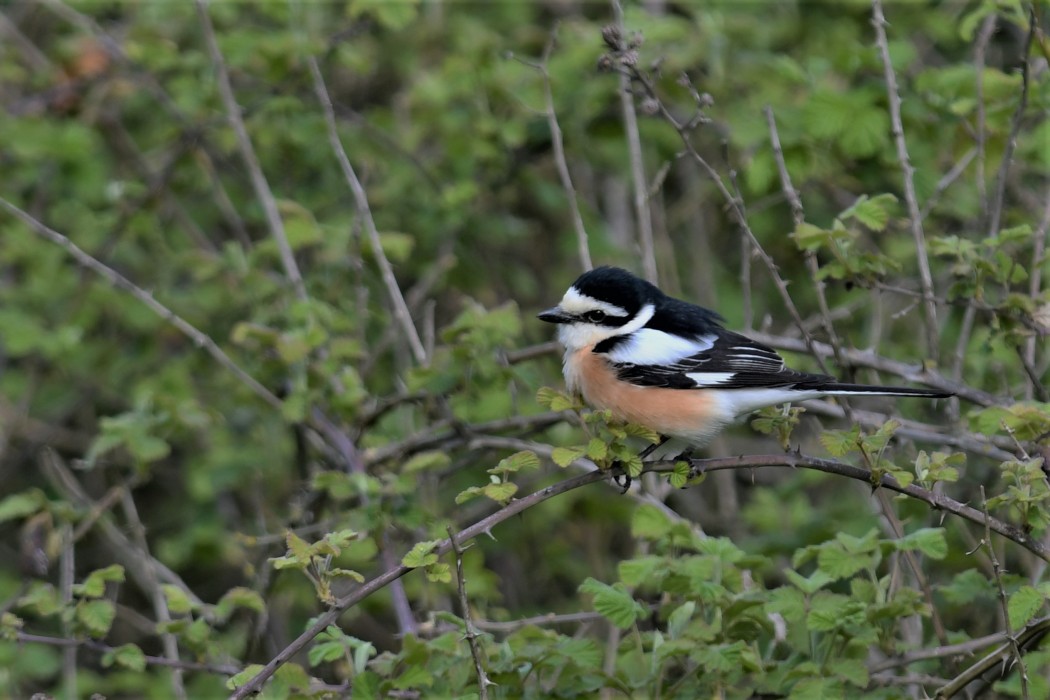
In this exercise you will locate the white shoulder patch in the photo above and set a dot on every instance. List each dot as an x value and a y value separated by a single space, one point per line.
648 346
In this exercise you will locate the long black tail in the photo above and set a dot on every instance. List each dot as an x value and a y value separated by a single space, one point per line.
839 389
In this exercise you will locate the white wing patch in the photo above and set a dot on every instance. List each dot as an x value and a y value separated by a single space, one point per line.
648 346
710 378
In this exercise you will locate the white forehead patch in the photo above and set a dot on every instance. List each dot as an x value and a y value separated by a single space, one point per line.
576 302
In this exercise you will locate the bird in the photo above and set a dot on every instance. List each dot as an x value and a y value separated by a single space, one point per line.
671 366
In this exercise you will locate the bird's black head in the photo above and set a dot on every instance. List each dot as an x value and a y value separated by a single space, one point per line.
605 296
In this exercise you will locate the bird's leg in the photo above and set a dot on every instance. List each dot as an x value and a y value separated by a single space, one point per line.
626 483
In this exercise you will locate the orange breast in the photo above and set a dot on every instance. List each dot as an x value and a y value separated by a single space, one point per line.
690 414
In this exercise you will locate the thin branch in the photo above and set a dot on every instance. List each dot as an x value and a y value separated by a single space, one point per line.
698 467
995 214
251 161
559 156
66 573
397 300
634 150
1033 630
155 592
221 669
471 631
118 280
997 571
914 213
967 648
798 216
1035 281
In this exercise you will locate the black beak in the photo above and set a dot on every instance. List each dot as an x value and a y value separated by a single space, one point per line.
554 315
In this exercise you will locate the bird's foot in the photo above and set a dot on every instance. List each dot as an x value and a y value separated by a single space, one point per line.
623 479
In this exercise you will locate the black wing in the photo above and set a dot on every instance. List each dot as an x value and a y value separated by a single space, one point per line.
732 362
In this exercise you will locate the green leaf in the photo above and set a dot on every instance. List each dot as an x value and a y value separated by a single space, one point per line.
126 656
526 459
677 620
929 540
840 443
564 456
649 522
426 462
597 450
439 573
242 678
421 554
612 603
96 616
556 400
679 476
810 585
1023 606
852 671
239 597
501 492
22 505
94 586
967 587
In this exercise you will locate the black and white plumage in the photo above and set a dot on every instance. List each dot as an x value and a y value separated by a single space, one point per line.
672 366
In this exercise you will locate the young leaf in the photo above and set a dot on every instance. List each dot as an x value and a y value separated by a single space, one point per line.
421 554
564 456
1023 606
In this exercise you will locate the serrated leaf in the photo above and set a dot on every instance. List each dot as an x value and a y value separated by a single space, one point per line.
439 573
96 616
929 540
679 475
810 585
597 450
467 494
677 620
614 604
526 459
239 679
94 586
421 554
967 587
239 597
1023 606
177 600
649 522
501 492
840 443
564 456
126 656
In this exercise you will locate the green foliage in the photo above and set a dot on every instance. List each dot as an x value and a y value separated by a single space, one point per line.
308 434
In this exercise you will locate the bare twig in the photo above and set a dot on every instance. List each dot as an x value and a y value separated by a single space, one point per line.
155 592
1035 280
798 216
634 150
66 573
559 156
966 648
983 38
999 197
251 161
397 300
914 213
997 571
70 643
471 633
117 280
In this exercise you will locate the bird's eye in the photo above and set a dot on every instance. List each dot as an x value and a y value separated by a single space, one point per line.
596 316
